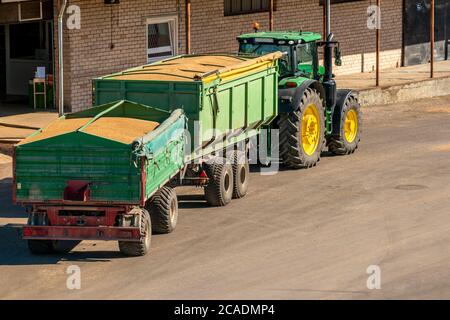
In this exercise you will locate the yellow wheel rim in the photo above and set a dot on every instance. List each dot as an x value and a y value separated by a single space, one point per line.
310 129
351 126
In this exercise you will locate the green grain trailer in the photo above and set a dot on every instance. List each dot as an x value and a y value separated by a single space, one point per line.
229 97
107 173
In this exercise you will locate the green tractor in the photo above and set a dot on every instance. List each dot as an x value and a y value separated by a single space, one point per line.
313 113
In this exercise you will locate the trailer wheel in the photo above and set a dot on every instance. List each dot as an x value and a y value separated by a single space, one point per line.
349 136
163 208
219 191
241 175
141 247
302 132
41 246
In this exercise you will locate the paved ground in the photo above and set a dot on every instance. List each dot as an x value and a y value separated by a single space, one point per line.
298 234
394 76
19 121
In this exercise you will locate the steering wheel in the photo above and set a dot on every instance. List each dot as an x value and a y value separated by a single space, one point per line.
284 66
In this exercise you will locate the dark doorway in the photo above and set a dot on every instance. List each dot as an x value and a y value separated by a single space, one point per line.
2 63
417 31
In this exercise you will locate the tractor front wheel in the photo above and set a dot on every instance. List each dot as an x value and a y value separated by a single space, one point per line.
347 139
302 132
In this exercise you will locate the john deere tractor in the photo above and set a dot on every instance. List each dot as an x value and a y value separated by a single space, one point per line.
313 113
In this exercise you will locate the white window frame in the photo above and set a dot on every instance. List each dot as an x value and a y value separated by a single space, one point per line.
173 29
29 19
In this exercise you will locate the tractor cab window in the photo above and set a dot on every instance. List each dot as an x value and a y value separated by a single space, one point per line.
265 48
305 57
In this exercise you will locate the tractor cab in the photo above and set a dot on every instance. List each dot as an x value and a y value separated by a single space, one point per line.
300 51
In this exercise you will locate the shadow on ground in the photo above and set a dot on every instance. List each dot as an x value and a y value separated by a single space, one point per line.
192 201
7 208
14 251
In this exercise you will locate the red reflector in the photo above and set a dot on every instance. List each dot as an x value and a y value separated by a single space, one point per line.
34 232
26 232
291 84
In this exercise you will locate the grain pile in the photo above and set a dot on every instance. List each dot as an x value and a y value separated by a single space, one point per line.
124 130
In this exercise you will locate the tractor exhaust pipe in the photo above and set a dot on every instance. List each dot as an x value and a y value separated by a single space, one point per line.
328 50
328 82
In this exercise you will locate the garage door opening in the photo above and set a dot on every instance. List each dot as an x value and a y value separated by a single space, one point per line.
28 55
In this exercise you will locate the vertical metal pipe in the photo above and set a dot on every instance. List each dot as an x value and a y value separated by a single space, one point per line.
61 59
188 26
328 14
378 44
324 21
271 15
328 49
432 39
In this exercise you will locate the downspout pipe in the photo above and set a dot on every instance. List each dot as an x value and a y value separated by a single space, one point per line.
61 59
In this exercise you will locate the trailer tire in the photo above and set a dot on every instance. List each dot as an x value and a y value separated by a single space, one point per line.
297 148
348 134
163 208
219 190
141 247
241 174
41 246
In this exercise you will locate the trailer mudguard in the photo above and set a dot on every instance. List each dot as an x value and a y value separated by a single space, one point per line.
289 99
342 96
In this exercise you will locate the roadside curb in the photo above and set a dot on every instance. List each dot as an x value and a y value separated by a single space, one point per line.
405 92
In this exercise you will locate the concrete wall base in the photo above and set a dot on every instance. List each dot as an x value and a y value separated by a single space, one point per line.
406 92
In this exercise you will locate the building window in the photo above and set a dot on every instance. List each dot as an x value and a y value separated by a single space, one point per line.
321 2
162 38
235 7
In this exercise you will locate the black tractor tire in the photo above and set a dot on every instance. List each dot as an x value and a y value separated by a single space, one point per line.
163 209
141 247
241 174
338 143
291 148
41 246
219 190
264 160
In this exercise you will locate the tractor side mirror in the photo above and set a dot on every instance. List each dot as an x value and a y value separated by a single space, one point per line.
337 56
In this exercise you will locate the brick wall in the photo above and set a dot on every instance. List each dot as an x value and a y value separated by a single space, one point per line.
88 51
111 38
212 32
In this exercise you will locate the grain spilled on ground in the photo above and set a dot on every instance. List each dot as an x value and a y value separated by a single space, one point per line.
441 148
4 158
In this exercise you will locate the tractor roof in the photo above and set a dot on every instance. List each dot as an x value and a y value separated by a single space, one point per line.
283 35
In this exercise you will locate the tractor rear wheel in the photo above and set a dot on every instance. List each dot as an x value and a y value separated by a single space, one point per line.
141 247
241 174
219 190
163 209
349 136
302 132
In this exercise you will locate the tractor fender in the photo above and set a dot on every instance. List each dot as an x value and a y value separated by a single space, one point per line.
342 96
289 99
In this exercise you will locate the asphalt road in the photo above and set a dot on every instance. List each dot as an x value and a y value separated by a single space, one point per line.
297 235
